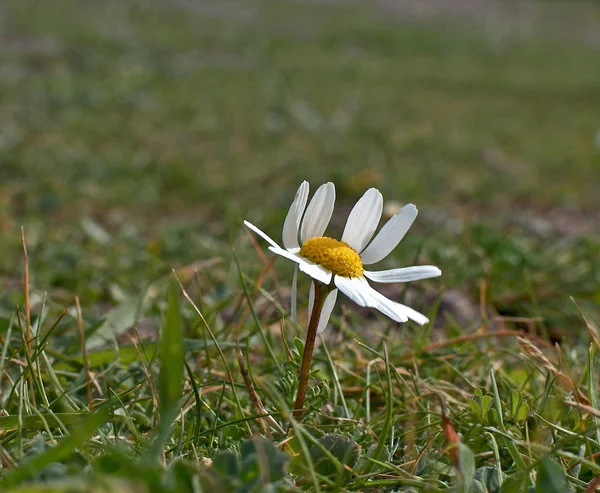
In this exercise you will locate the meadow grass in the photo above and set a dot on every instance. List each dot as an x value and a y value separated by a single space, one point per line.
149 347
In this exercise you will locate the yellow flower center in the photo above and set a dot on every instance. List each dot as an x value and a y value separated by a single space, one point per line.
336 256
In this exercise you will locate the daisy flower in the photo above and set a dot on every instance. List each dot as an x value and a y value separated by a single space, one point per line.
340 264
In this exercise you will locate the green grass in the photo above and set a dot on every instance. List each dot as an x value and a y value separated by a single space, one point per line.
136 136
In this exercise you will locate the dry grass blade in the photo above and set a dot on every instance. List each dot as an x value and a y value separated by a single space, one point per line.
255 398
583 407
283 339
464 338
215 342
592 329
564 380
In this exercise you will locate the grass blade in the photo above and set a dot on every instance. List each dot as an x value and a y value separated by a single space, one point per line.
387 422
171 356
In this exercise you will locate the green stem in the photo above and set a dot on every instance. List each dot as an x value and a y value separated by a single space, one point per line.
309 347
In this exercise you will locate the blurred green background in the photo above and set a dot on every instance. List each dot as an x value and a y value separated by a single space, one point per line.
136 135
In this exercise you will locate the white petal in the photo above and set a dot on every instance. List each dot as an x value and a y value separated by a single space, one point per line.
354 288
363 220
390 235
318 213
327 307
289 255
326 311
414 315
294 300
396 311
294 215
313 270
264 235
391 309
359 291
404 274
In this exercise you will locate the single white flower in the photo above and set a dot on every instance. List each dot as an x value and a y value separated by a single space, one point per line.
342 262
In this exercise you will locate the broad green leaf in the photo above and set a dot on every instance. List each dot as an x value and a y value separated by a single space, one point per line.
344 451
488 479
551 478
517 483
182 476
261 459
466 462
478 487
519 409
226 464
117 321
480 404
475 407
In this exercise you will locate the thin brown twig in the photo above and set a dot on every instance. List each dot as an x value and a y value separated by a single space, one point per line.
466 338
592 485
506 318
7 460
423 451
86 365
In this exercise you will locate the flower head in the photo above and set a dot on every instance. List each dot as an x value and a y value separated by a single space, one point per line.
341 263
334 255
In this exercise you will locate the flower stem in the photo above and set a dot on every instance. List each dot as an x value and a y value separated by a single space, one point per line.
309 347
